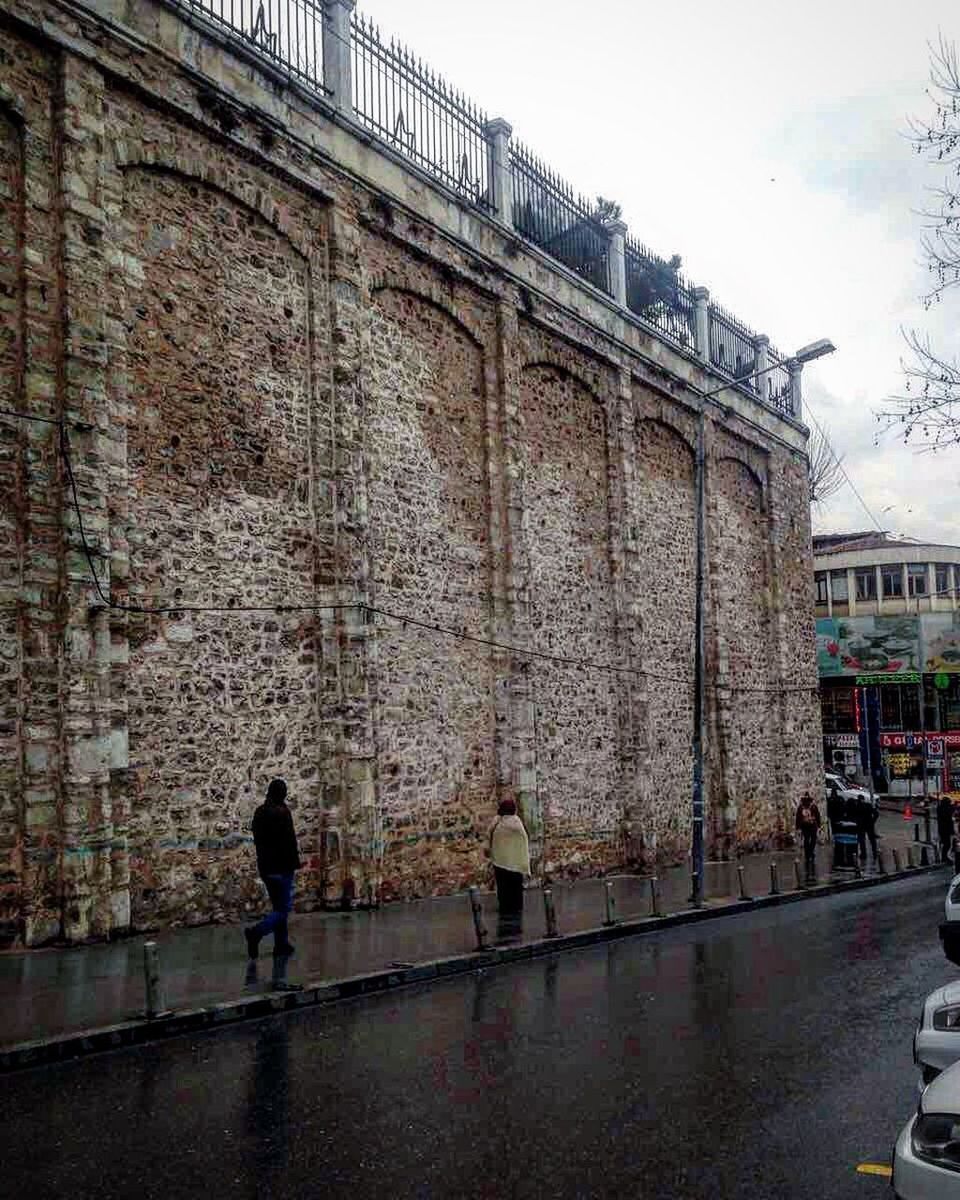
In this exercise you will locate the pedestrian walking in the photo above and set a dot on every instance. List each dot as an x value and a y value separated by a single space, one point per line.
945 827
510 854
867 813
277 860
808 826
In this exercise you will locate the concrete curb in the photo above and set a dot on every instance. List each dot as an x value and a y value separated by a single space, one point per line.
194 1020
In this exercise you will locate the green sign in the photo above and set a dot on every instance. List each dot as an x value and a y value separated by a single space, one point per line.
941 680
902 677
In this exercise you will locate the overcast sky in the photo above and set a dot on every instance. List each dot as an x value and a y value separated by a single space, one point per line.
764 143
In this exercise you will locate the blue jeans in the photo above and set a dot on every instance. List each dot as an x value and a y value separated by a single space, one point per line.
280 891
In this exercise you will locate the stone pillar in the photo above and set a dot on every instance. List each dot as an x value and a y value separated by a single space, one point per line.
523 701
761 347
89 907
337 46
617 263
701 322
499 185
795 370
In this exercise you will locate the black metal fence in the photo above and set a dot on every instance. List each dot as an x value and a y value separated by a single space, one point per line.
549 214
775 387
413 110
288 33
657 292
731 346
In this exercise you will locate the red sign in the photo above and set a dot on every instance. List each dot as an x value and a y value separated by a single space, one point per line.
904 741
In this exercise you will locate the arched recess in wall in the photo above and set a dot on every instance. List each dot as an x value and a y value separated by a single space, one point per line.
570 612
665 595
12 531
744 655
217 382
429 544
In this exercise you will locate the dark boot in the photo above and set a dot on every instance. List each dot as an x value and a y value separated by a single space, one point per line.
253 941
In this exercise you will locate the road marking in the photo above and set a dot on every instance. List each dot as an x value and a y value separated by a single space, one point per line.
883 1169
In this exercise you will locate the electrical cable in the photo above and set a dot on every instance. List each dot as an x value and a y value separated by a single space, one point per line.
842 468
360 606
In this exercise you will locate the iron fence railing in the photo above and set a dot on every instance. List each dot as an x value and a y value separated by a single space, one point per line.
549 214
414 111
775 388
287 33
731 346
658 294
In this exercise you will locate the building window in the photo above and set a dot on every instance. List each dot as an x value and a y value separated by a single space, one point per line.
866 583
838 587
917 579
890 713
944 572
838 710
821 581
892 578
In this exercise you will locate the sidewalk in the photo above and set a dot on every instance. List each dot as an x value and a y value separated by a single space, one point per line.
49 993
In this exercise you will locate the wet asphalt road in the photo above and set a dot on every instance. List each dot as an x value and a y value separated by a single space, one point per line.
756 1057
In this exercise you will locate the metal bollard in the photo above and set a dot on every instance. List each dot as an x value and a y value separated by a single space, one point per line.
910 863
151 979
857 867
741 879
774 879
696 897
924 856
881 863
916 831
926 822
609 904
549 912
654 896
797 875
896 861
479 928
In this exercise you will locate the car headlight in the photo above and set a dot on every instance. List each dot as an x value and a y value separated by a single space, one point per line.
947 1018
936 1139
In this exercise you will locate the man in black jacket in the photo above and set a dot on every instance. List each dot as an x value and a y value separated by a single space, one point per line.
277 860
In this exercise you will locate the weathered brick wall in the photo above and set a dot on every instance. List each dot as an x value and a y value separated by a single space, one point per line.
664 510
283 386
570 614
429 516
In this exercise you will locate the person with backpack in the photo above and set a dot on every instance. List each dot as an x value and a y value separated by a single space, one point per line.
808 826
945 828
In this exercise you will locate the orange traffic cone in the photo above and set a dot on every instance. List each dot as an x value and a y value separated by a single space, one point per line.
908 813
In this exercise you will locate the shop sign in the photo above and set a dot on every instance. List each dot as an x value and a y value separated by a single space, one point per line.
935 741
897 677
843 741
881 645
935 763
900 763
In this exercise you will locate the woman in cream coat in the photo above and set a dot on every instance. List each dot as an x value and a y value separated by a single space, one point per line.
510 854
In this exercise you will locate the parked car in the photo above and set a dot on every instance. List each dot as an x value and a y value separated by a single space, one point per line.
926 1158
936 1043
849 788
950 927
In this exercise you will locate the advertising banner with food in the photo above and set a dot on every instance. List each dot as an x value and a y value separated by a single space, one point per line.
874 645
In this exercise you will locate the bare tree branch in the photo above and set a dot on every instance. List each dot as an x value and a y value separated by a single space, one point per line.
927 412
824 470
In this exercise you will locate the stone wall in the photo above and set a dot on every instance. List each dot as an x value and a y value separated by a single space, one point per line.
343 452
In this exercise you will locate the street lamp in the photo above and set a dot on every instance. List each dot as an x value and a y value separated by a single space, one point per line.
805 354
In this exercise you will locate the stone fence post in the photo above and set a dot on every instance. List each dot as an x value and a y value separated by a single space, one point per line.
761 361
616 262
795 370
701 322
499 187
337 65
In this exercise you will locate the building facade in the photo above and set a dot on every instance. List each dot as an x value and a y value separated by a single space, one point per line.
341 441
888 654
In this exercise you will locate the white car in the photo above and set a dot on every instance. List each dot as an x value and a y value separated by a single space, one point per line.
849 788
950 928
926 1159
936 1044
